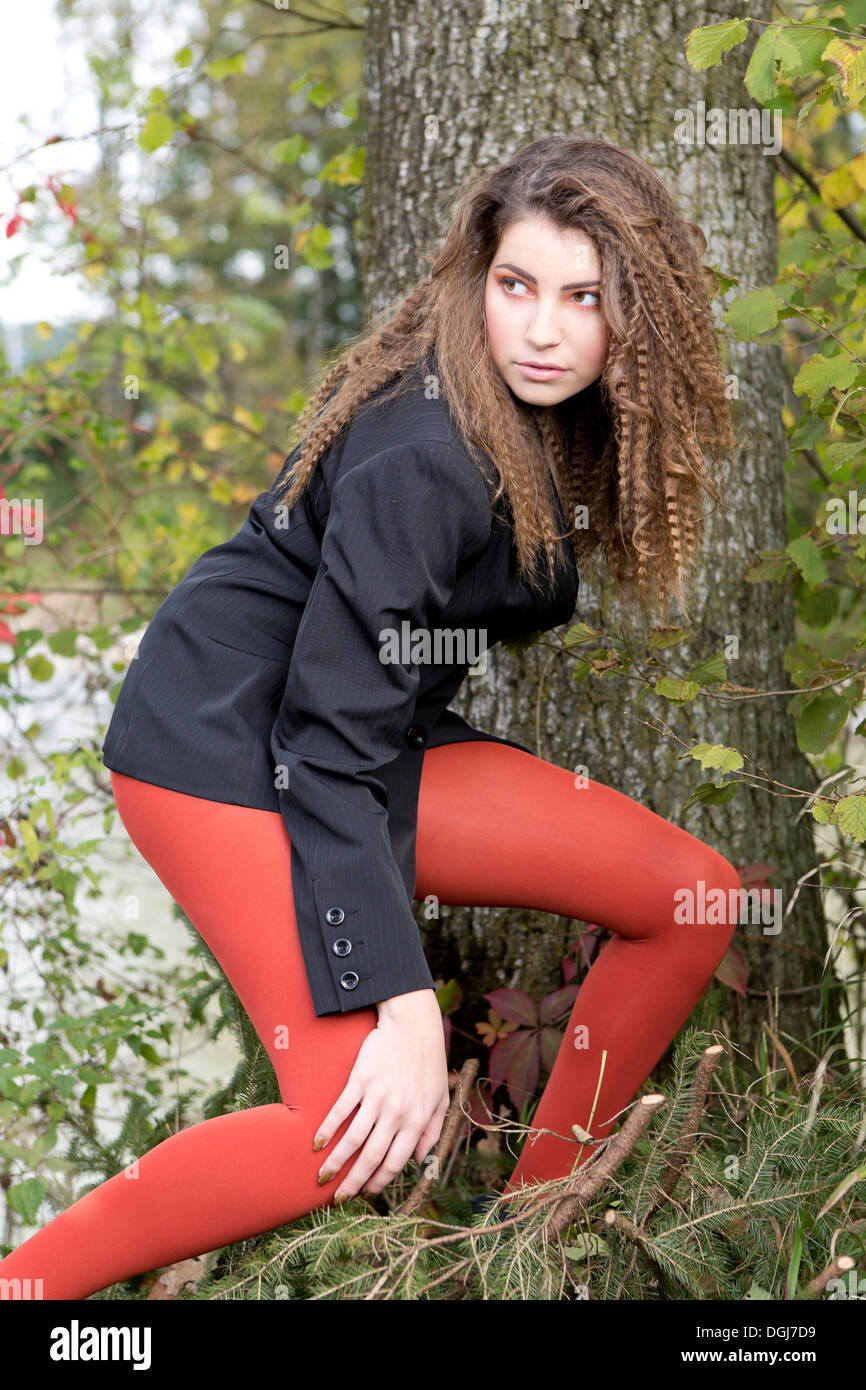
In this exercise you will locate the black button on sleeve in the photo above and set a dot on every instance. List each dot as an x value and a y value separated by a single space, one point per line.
349 980
342 946
334 916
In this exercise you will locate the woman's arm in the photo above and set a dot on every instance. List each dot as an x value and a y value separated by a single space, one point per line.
401 525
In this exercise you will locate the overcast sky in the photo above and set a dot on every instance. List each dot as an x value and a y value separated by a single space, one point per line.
46 89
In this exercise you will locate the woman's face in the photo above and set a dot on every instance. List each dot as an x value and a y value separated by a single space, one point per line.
542 305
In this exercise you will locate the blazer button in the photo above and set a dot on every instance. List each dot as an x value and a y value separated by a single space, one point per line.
334 916
349 979
416 737
341 947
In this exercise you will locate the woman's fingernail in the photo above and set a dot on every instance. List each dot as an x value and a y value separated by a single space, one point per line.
341 1197
319 1144
324 1177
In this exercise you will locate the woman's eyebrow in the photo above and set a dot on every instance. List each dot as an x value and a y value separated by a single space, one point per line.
524 275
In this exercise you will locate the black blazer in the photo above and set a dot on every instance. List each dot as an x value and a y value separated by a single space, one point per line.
280 673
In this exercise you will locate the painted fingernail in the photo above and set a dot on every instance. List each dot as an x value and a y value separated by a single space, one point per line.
319 1144
342 1197
324 1177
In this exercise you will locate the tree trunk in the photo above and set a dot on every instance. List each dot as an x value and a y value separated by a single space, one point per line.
444 101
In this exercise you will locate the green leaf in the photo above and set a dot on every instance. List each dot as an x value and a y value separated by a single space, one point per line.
288 151
225 67
31 840
760 75
850 816
820 374
753 313
712 794
716 755
581 632
183 56
63 642
807 557
40 668
26 1198
157 130
821 722
706 45
755 1291
709 671
799 49
676 690
585 1245
842 453
449 996
321 94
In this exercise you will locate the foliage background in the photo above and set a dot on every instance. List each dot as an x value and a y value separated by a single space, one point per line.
218 228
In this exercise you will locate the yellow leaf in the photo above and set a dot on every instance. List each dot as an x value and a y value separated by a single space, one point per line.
839 188
244 492
175 470
220 490
213 437
189 512
44 329
244 417
237 350
94 270
197 472
858 169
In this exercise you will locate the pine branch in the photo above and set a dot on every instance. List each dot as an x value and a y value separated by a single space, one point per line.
618 1148
840 1265
709 1060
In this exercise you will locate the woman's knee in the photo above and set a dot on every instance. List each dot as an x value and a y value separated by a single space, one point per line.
705 905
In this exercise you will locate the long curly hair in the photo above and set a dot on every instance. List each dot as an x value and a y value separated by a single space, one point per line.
627 453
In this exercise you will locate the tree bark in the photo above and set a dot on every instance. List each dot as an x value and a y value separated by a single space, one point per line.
445 98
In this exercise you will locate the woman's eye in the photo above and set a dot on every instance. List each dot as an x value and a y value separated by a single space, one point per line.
593 294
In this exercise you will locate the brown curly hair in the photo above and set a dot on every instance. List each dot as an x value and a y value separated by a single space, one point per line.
627 453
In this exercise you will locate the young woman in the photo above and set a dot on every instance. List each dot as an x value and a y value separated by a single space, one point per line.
282 753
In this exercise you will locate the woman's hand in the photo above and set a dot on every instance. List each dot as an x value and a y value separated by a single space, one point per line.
400 1084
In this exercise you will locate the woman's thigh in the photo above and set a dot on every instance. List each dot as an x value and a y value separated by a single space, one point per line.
500 827
229 869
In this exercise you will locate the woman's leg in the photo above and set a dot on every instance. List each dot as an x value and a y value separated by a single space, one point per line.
248 1171
497 826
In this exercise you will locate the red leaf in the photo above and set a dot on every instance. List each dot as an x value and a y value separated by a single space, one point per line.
16 221
502 1053
754 875
12 603
549 1043
6 634
554 1005
522 1077
515 1005
733 970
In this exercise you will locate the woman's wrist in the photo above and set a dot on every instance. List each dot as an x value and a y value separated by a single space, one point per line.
404 1005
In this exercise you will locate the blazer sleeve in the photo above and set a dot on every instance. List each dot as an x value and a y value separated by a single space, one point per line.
402 525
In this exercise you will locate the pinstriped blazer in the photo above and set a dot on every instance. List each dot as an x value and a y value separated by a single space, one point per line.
304 665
